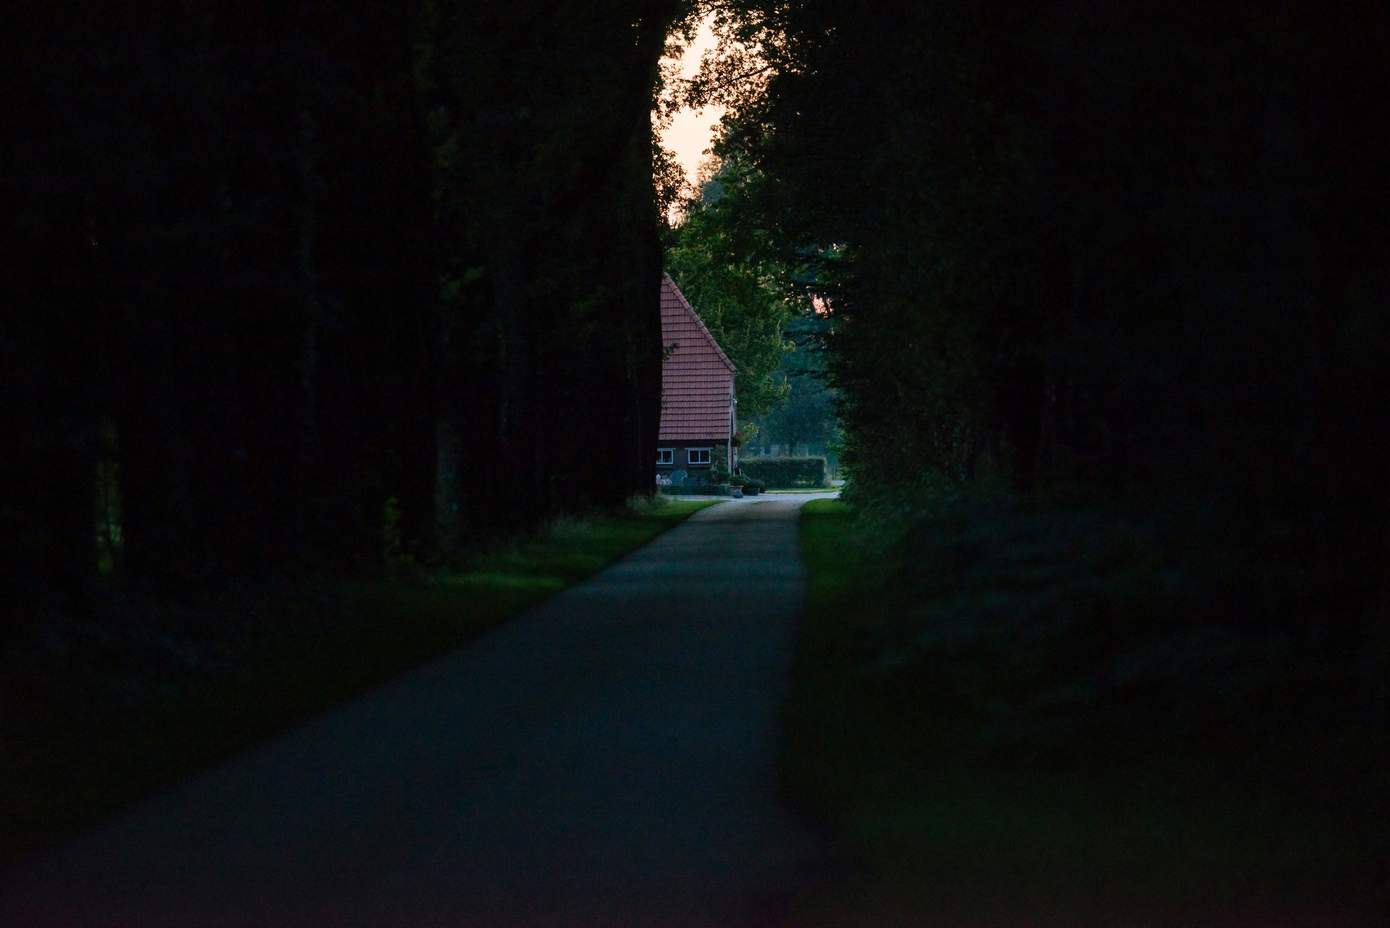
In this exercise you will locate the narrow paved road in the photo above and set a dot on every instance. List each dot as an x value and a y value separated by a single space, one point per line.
606 759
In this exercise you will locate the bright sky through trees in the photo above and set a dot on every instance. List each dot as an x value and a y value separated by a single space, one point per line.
691 131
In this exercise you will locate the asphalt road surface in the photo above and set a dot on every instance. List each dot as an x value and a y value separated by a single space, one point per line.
608 758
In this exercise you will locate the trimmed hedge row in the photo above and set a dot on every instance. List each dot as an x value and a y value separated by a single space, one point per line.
787 473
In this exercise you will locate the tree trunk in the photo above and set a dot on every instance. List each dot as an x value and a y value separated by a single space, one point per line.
307 452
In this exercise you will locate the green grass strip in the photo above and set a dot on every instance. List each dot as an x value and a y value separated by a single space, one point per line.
88 761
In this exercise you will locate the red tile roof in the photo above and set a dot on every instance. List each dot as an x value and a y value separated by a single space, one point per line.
697 378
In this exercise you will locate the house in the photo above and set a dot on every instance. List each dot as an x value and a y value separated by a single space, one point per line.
697 395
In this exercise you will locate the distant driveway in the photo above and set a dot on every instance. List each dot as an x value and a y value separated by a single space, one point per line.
605 759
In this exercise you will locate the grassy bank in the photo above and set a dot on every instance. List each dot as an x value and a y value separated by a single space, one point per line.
112 717
948 725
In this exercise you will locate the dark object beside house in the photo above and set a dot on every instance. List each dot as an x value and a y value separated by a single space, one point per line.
748 485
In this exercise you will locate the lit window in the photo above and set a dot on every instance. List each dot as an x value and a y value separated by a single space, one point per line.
699 455
665 456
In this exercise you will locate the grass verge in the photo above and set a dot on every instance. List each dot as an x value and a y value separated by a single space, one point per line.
78 754
956 807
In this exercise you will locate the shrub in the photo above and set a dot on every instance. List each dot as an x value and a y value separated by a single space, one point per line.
787 473
718 468
747 482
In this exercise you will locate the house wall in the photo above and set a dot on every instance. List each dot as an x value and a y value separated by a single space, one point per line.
681 453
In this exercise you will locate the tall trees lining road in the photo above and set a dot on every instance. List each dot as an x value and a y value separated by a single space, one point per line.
1132 250
272 266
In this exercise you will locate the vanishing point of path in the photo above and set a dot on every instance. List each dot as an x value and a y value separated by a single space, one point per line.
607 758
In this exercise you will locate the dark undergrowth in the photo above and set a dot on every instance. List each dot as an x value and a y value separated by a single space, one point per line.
103 710
1013 716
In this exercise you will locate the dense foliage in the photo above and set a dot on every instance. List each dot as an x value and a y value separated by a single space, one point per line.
804 421
1096 251
273 268
1108 287
729 266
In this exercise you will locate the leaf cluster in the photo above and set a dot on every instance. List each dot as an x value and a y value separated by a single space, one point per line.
730 267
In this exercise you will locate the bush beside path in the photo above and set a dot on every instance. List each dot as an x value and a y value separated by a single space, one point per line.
1002 719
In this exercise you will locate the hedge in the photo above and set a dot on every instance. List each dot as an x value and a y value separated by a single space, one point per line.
787 473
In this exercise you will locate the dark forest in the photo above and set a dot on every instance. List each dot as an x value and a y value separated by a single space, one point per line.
310 293
278 269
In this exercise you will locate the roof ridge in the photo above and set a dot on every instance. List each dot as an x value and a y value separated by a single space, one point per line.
666 279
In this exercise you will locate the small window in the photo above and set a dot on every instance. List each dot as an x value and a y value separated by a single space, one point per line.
699 455
665 456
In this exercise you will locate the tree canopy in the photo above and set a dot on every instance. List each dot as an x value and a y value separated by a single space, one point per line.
280 272
805 420
1127 252
729 267
276 268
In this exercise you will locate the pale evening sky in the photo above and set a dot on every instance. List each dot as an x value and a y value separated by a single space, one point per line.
691 131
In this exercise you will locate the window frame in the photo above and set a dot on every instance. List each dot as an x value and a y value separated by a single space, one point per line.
707 452
670 457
